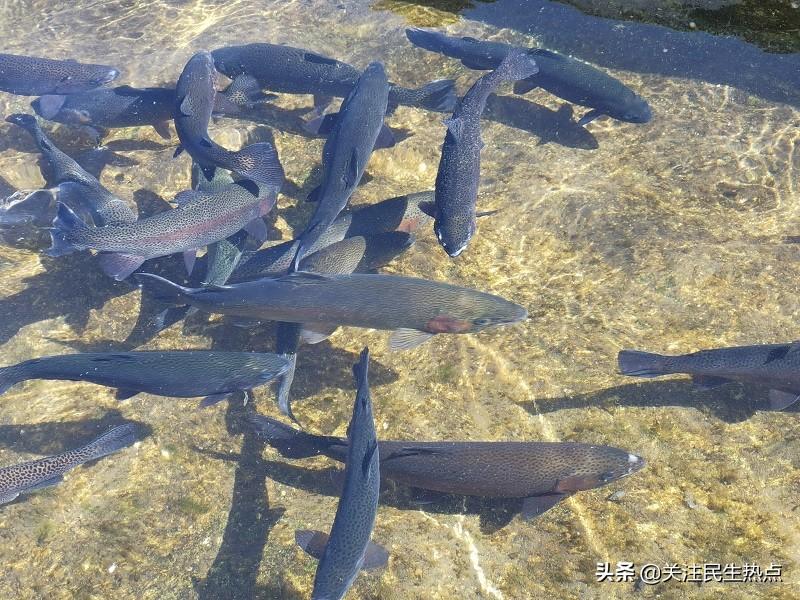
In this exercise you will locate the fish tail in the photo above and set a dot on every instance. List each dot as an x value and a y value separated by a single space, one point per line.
517 65
260 163
10 376
428 40
290 442
437 96
642 364
66 232
164 289
111 441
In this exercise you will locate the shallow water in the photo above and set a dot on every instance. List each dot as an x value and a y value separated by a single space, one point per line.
665 236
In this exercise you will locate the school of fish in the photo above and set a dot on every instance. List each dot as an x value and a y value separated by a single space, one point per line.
324 278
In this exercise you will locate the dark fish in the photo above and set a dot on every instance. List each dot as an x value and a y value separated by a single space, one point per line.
543 473
460 165
201 218
194 104
297 71
776 366
415 308
126 106
346 152
79 189
344 551
38 474
183 374
31 76
562 76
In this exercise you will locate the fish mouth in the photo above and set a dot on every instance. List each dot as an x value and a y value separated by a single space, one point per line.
108 77
635 463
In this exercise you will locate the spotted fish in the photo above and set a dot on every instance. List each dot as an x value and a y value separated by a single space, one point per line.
543 473
345 551
34 475
32 76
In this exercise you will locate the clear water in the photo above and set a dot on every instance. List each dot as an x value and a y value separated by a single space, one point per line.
665 236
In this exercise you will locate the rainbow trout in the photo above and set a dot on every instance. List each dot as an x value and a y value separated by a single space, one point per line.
32 76
544 473
37 474
180 374
415 309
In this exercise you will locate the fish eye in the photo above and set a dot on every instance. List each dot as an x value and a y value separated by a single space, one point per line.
482 322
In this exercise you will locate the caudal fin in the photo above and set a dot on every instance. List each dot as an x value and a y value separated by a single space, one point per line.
439 96
517 65
66 230
260 163
163 289
290 442
112 441
642 364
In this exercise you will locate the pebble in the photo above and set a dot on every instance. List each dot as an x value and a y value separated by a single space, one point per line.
112 568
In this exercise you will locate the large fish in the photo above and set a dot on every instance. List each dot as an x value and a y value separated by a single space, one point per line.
562 76
346 152
776 366
415 309
36 474
296 71
81 190
31 76
125 106
181 374
460 164
201 218
348 549
543 473
194 104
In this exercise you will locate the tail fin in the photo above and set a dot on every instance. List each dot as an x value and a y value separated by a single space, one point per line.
428 40
112 441
163 289
10 376
25 206
290 442
439 96
517 65
65 227
26 121
48 106
642 364
260 163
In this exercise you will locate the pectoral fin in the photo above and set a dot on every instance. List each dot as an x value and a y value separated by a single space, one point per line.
590 116
46 483
385 139
119 265
258 229
314 543
351 171
405 339
212 400
314 333
6 498
162 129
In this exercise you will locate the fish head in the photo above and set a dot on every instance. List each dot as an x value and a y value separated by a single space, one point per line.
597 467
634 110
475 312
454 234
92 76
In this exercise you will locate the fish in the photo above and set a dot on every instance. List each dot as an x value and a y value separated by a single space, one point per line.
32 76
344 552
200 218
568 78
291 70
126 106
37 474
415 309
76 187
194 104
460 163
543 473
776 366
347 151
179 374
